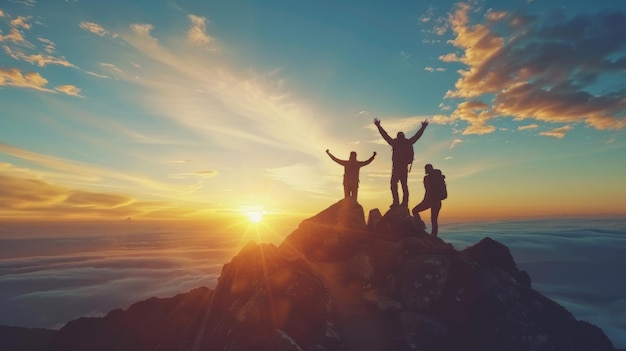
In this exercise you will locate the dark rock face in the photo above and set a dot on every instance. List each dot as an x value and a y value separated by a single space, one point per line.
153 324
336 283
491 253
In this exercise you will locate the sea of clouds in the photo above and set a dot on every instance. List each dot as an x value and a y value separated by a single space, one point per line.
53 273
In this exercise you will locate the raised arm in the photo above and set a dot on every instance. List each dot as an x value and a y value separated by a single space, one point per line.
419 133
332 157
382 131
368 161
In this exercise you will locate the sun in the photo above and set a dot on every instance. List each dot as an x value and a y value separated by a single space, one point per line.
255 216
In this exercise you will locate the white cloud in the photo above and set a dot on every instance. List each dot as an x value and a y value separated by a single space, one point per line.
197 174
142 29
526 127
93 28
558 132
69 90
97 75
38 59
197 33
111 67
20 22
50 46
455 142
27 3
14 36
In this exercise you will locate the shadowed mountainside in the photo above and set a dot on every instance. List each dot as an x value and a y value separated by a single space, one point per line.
337 283
25 339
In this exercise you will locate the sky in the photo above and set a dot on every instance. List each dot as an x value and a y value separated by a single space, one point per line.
199 109
218 113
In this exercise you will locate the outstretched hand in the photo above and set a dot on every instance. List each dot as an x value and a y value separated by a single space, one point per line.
374 153
425 123
327 151
376 121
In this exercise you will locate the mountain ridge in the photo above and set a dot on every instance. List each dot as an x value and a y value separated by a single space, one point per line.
339 283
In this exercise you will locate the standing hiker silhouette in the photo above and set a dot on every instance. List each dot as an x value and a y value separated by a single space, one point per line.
435 191
351 173
401 158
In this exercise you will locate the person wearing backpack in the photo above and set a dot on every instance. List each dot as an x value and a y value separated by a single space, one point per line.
351 173
435 192
401 158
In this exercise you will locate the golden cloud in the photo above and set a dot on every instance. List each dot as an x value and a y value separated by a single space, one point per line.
69 90
197 33
14 77
542 68
93 28
558 132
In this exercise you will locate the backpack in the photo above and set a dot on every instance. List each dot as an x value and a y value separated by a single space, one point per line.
438 184
405 152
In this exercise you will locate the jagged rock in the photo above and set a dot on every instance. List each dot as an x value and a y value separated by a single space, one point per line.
259 292
336 284
329 235
494 254
382 301
397 223
362 267
373 219
283 342
423 281
423 332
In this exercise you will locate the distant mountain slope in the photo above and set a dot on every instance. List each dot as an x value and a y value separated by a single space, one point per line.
25 339
337 283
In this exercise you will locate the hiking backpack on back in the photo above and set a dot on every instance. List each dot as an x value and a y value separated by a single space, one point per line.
438 184
405 152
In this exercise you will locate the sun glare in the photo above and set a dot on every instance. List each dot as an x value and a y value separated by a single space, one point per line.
255 216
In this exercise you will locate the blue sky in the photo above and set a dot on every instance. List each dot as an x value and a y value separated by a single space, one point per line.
180 109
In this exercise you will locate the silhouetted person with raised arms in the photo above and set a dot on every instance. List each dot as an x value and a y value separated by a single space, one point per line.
401 158
435 187
351 173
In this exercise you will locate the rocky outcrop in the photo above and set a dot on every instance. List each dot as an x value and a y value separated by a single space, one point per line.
337 283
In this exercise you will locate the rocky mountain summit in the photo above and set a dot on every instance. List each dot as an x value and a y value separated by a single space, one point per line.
339 283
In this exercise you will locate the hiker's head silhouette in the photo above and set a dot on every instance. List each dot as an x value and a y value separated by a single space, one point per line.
428 168
352 155
401 135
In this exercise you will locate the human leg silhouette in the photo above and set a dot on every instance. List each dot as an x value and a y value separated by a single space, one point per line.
394 190
399 174
351 191
434 217
405 191
424 205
